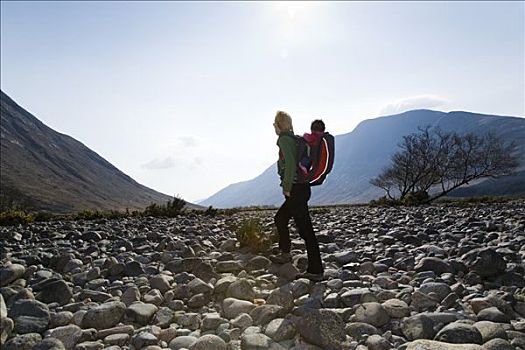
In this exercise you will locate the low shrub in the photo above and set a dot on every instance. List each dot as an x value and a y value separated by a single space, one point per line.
15 217
211 211
250 234
171 209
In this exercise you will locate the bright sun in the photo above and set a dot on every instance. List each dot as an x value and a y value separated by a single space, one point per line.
293 9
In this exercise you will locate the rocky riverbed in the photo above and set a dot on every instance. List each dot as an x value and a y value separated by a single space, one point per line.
439 277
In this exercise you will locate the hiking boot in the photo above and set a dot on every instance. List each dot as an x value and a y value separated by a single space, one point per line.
282 258
316 277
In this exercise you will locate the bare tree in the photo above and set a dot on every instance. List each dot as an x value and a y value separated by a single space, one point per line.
436 162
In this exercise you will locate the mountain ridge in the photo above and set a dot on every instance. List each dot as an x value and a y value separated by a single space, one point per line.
363 152
54 171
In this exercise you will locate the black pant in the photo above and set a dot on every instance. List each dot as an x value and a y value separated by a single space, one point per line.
296 207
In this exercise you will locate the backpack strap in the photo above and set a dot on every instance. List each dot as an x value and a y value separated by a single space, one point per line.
324 155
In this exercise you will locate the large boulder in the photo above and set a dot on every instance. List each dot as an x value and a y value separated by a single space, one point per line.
486 262
459 333
372 313
11 273
69 335
208 342
437 265
232 307
104 316
323 328
56 290
423 344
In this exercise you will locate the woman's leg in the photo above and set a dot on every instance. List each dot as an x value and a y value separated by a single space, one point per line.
281 219
298 207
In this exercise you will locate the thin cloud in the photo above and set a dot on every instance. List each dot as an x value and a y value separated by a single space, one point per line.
414 102
155 164
188 141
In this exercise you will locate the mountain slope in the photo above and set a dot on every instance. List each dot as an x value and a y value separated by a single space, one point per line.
364 152
54 171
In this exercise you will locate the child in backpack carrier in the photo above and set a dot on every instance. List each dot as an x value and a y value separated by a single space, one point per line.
317 130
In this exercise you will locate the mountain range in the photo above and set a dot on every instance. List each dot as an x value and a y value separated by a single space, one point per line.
46 170
364 152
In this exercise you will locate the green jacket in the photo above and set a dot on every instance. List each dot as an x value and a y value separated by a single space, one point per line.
287 163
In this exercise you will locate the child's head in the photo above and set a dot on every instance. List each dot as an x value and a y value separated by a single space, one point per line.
317 126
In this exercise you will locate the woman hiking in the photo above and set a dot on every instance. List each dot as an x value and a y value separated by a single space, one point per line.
296 193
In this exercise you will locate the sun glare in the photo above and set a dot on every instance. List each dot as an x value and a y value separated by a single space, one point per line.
293 9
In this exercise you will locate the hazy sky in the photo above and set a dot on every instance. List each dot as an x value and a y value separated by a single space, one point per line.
181 95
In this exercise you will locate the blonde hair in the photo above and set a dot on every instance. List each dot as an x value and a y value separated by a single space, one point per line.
283 121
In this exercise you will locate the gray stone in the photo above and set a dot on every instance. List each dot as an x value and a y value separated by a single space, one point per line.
357 296
62 318
258 262
372 313
104 316
418 327
197 286
492 314
130 295
30 324
3 307
91 345
154 297
6 327
498 344
163 317
478 304
29 316
396 308
128 329
160 282
68 335
182 342
25 307
323 328
255 341
49 344
234 307
141 313
95 295
11 273
209 342
437 265
459 333
288 271
23 342
423 344
241 289
345 257
56 291
143 339
198 300
485 262
377 342
490 330
222 284
283 297
242 321
119 339
232 266
211 321
359 329
438 288
263 314
423 302
189 320
280 329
